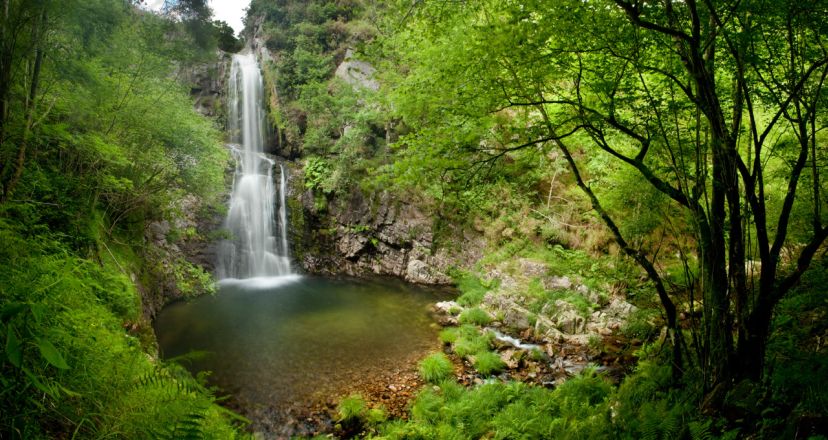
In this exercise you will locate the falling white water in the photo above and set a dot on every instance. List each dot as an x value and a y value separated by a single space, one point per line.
252 250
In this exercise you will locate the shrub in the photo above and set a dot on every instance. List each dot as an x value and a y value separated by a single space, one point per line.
640 324
435 368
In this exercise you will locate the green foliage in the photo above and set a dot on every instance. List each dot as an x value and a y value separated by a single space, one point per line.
435 368
354 415
640 324
192 280
339 124
449 335
226 38
351 408
488 363
68 365
111 142
472 289
508 410
476 316
470 340
317 174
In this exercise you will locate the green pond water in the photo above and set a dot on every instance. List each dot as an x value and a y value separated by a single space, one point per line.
274 344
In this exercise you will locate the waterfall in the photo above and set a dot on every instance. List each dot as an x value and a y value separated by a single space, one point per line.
252 250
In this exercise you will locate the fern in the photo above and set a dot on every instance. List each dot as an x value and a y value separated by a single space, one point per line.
700 430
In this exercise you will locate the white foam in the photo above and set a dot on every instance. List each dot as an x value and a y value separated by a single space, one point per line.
513 341
261 282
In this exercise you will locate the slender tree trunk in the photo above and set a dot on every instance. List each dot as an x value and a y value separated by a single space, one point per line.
20 159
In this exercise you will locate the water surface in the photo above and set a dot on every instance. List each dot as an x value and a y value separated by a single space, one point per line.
275 344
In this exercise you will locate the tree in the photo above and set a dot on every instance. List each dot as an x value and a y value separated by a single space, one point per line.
716 105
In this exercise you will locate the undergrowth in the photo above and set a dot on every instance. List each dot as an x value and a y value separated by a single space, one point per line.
68 365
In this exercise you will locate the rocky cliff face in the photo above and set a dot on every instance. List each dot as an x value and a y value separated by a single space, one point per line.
179 255
208 85
362 234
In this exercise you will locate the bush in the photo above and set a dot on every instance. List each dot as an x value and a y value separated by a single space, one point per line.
435 368
69 365
476 316
640 324
488 363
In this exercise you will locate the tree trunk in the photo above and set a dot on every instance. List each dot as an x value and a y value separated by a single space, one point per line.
20 160
751 349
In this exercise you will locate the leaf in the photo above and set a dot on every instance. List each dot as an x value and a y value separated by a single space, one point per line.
40 385
38 310
69 392
50 353
13 349
11 309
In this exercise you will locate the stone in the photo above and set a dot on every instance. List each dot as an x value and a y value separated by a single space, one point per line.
351 245
571 322
358 74
447 307
532 268
558 283
511 358
159 230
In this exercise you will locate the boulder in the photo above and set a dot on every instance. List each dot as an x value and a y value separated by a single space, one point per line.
552 283
358 74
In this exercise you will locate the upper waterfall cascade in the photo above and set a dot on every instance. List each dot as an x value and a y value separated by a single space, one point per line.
258 245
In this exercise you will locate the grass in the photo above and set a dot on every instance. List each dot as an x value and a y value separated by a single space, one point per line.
436 368
449 335
351 408
355 416
472 289
470 341
488 363
476 316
